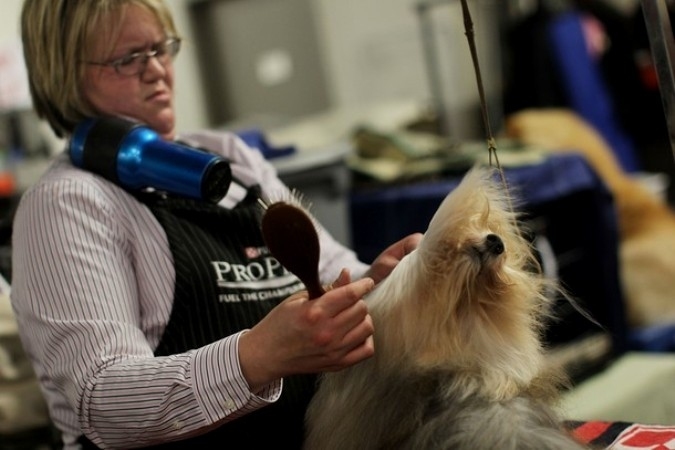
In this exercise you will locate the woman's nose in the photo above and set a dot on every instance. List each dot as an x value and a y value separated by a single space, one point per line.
154 68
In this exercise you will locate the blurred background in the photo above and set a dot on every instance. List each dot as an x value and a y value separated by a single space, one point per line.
371 109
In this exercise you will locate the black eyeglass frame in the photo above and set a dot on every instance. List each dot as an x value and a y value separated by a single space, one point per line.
169 47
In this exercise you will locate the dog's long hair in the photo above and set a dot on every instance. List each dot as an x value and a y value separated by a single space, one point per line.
459 361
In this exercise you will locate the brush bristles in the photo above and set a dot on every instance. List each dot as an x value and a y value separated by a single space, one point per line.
292 197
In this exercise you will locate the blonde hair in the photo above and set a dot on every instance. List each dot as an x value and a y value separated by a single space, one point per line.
58 35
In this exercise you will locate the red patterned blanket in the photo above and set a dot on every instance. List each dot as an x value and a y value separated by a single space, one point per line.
624 435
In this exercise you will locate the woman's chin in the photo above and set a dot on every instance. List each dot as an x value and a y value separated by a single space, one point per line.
164 125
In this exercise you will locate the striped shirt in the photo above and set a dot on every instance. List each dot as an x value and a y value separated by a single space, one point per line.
92 289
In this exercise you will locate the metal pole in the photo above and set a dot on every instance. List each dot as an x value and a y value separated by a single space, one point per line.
433 66
662 46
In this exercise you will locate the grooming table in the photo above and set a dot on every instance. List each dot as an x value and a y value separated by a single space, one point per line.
637 387
630 405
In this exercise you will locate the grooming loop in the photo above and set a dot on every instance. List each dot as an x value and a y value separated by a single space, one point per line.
491 142
435 83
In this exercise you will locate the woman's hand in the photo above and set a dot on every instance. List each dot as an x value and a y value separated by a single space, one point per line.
387 260
300 335
328 333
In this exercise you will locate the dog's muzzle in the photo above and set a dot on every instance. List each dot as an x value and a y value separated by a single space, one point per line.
488 249
494 245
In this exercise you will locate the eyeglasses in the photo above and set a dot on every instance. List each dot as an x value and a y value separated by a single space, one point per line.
136 62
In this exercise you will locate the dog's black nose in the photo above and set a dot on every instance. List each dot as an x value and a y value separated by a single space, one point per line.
494 244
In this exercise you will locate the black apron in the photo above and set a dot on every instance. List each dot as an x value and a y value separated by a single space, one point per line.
226 281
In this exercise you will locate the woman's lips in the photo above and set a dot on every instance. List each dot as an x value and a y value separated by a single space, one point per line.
159 96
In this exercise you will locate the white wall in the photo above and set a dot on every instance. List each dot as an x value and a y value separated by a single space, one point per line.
374 52
371 49
190 103
9 20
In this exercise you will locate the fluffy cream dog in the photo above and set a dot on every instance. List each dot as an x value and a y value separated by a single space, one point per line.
459 363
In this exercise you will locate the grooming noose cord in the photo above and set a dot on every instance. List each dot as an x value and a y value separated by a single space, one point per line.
491 143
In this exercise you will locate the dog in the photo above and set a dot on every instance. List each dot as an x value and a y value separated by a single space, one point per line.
459 361
646 223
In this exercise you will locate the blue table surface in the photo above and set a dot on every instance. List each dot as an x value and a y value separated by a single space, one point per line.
553 177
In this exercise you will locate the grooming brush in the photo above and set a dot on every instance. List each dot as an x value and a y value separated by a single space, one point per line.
291 237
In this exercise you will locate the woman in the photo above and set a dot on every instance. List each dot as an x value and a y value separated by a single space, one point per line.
140 329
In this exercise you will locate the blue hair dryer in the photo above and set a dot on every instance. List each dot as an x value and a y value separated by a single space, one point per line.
136 157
